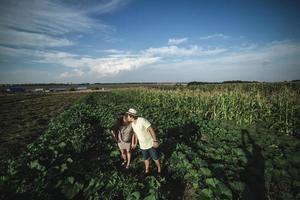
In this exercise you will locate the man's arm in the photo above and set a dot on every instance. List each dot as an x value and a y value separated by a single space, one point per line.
153 135
133 141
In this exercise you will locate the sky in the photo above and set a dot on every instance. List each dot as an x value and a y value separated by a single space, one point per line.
114 41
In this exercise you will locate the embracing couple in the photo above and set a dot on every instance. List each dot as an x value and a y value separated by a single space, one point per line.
131 128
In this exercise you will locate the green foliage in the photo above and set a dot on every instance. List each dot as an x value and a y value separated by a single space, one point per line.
212 143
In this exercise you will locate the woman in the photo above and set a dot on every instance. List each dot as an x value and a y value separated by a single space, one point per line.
123 134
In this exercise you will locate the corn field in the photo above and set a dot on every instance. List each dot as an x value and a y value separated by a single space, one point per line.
229 141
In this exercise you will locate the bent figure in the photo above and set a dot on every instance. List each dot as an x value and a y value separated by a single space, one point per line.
147 139
123 133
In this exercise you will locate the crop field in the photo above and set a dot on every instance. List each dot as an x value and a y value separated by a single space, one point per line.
228 141
24 117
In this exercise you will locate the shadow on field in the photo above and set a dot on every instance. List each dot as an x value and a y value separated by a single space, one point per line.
98 157
254 171
185 134
175 187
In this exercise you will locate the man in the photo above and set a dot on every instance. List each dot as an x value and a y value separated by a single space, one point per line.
146 137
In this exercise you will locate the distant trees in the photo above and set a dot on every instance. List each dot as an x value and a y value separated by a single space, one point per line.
193 83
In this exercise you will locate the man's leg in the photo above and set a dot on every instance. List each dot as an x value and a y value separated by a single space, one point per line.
146 157
147 163
155 156
157 163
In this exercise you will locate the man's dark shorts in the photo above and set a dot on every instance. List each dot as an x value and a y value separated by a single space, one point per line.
150 153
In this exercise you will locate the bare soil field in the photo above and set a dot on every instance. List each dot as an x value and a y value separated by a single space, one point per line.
23 117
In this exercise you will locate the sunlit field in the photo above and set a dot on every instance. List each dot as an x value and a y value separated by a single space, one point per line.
217 141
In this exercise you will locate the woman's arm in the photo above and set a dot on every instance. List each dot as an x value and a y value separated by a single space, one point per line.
113 132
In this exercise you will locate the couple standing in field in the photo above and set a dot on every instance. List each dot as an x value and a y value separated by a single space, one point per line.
131 128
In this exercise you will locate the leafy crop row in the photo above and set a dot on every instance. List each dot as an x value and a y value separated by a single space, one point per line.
214 146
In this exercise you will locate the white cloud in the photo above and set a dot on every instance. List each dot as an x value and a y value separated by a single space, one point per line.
107 6
15 52
176 41
44 23
101 66
276 61
115 62
272 54
173 51
21 76
20 38
247 46
62 58
180 51
43 16
265 54
74 73
277 54
213 51
113 51
112 66
215 36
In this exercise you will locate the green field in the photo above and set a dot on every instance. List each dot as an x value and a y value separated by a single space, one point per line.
24 117
228 141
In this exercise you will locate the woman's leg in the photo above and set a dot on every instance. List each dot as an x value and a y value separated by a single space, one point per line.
128 158
124 156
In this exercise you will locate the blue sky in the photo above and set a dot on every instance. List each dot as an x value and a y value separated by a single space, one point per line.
44 41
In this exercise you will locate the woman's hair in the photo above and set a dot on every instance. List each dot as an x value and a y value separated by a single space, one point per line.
119 122
133 116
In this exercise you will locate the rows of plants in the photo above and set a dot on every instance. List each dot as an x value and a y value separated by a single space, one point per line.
266 89
75 159
208 150
24 117
229 151
218 158
279 111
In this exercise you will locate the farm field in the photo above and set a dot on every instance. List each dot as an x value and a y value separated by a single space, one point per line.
24 117
231 141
